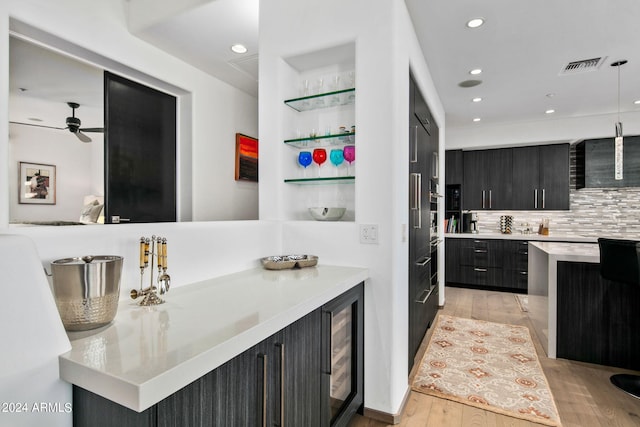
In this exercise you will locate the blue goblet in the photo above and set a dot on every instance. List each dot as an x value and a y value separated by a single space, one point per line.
304 159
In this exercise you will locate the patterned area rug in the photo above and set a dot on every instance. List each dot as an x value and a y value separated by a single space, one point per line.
488 365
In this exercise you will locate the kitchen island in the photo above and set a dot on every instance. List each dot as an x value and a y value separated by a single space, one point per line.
576 313
148 353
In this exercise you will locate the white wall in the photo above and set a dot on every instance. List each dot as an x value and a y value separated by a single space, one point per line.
551 130
75 171
381 30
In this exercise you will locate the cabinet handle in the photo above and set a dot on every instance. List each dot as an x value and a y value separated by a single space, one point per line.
535 198
329 340
282 369
423 261
417 199
480 251
480 270
478 241
263 414
489 199
414 154
524 243
483 197
426 294
524 273
543 198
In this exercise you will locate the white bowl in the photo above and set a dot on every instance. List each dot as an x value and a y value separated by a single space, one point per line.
327 214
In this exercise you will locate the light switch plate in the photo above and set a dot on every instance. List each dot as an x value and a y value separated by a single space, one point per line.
369 233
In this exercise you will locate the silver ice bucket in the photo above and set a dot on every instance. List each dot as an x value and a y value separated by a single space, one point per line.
86 290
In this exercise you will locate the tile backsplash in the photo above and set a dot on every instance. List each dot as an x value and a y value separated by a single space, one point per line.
594 212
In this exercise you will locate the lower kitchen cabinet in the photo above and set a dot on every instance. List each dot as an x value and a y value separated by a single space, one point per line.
291 378
493 264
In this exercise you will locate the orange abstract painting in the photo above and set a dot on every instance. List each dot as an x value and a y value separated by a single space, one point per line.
246 158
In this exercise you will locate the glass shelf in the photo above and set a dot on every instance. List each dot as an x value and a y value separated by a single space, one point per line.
323 100
323 141
322 180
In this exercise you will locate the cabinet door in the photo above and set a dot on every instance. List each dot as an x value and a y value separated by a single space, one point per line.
452 259
599 163
453 167
526 189
500 174
298 386
232 394
90 409
474 180
554 177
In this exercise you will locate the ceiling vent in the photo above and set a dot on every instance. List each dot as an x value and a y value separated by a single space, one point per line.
582 66
246 64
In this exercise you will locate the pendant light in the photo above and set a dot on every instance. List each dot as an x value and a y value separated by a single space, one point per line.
618 139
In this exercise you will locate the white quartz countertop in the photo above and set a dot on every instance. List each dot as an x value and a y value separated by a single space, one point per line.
148 353
552 237
576 252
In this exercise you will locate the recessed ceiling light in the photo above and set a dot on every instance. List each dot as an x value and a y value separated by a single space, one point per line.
478 99
477 119
637 101
475 22
550 111
34 119
475 71
239 48
550 95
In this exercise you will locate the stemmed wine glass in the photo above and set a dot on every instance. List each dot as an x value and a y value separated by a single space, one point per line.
349 153
319 156
304 159
337 157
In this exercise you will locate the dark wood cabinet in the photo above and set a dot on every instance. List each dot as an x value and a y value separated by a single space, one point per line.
279 381
495 264
423 219
597 318
541 177
487 179
515 264
554 176
595 163
454 169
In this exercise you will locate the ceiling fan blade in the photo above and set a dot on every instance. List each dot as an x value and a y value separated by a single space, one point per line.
101 130
82 137
38 126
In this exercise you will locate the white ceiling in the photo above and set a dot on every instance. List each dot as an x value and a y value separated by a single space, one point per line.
521 49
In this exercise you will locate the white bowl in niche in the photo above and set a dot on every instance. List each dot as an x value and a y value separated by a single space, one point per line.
327 214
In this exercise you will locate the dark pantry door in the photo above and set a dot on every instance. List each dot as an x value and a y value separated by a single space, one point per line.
140 152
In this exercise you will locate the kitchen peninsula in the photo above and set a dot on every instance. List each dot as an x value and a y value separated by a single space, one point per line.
149 353
576 314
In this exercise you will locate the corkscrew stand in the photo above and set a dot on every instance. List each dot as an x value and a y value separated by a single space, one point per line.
154 248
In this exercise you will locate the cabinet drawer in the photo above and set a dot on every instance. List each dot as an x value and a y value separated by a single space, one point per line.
481 276
482 253
515 278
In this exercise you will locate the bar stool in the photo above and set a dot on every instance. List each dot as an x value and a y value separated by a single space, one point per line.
620 262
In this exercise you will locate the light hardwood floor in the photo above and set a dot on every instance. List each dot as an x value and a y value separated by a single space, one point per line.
583 393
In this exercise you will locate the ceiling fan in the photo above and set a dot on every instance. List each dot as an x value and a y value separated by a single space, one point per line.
73 124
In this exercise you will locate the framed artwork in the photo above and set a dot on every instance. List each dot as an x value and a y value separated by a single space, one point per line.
37 184
246 158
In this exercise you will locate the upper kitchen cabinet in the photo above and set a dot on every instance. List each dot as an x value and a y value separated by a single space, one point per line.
487 179
541 177
595 163
319 132
453 167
